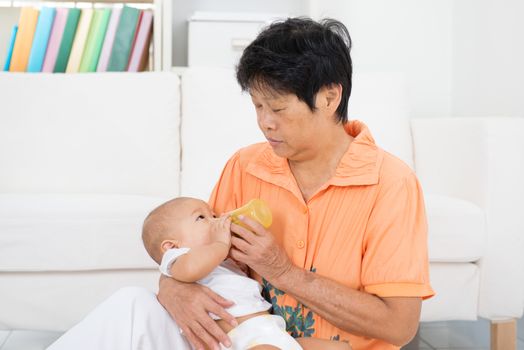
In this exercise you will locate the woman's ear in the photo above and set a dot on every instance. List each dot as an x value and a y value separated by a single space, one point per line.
169 244
328 97
333 95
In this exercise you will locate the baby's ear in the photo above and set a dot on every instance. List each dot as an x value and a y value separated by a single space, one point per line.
169 244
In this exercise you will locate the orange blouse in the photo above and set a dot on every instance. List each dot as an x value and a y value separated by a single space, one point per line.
365 228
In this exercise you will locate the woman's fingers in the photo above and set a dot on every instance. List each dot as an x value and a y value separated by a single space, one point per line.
192 338
213 333
201 332
218 308
224 315
238 255
240 244
243 233
189 305
255 225
218 298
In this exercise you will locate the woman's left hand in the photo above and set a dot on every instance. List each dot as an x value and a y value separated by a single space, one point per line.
259 250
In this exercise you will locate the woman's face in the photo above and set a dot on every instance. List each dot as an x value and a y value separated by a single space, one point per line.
288 124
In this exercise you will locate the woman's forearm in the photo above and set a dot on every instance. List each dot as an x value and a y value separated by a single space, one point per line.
394 320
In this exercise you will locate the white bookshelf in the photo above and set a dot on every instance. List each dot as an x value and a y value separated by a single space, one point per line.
162 34
170 32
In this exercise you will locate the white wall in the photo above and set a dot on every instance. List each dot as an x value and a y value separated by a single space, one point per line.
488 58
183 9
408 36
460 57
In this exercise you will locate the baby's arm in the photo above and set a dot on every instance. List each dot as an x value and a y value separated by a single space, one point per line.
199 262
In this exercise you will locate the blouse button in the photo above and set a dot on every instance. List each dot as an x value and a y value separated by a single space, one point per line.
300 244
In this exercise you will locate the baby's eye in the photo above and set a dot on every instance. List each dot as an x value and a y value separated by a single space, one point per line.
214 216
200 217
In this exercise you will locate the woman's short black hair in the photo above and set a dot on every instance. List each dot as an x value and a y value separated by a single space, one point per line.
299 56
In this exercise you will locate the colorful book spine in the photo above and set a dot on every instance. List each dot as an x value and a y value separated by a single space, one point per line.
109 40
41 39
80 41
125 34
54 40
62 58
24 39
140 13
95 40
140 52
10 48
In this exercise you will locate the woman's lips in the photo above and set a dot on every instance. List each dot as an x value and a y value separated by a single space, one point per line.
273 142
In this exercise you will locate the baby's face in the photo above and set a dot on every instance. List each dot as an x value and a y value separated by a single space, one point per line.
193 223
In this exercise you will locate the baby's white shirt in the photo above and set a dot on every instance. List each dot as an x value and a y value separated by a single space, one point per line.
227 280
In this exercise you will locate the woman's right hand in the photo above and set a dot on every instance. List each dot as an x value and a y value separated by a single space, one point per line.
189 304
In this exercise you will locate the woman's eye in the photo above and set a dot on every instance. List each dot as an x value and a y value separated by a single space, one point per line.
278 110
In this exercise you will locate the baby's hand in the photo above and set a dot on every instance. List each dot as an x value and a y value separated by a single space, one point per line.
221 230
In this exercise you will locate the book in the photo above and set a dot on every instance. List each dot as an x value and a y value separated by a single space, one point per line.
95 40
24 39
55 39
140 53
125 34
10 48
73 17
109 40
79 43
41 38
134 36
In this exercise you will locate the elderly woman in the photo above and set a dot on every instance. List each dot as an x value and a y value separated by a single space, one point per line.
346 256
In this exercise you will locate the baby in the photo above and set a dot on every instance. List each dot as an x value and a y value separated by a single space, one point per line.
191 244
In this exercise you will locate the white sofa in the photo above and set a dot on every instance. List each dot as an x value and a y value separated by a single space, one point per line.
84 158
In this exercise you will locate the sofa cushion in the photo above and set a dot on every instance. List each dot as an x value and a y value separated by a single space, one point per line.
457 229
73 232
90 133
457 290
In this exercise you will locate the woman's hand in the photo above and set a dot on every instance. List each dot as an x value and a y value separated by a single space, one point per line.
189 304
259 250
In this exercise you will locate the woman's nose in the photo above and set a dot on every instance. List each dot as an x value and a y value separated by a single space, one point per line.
266 121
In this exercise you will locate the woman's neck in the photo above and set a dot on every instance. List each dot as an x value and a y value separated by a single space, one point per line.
313 172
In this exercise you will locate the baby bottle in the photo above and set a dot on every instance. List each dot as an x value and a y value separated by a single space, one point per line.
256 209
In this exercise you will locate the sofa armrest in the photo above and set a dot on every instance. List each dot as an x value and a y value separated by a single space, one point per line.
482 160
